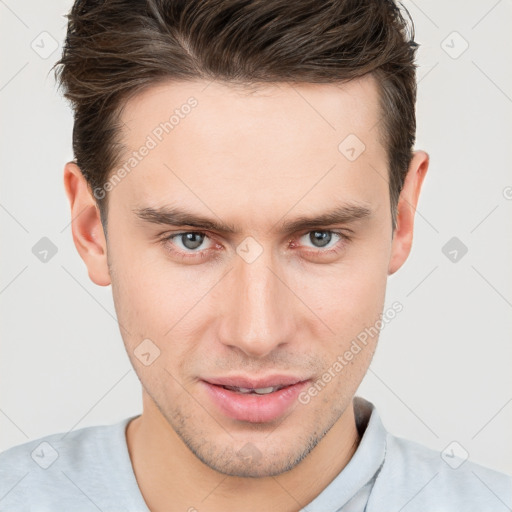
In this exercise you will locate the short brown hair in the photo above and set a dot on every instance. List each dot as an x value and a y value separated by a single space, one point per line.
116 48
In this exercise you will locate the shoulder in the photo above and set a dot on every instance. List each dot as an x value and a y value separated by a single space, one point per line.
414 477
62 470
64 448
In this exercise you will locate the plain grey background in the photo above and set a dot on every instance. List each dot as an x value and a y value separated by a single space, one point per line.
442 369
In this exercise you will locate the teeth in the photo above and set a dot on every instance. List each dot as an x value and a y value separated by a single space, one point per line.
264 391
259 391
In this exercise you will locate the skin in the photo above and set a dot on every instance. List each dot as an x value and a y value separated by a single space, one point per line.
251 159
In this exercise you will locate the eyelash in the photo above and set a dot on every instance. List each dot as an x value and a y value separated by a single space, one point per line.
201 255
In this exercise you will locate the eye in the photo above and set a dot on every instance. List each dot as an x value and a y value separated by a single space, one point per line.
188 241
196 246
322 239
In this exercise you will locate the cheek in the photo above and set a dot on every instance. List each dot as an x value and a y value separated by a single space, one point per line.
350 304
348 296
142 291
155 298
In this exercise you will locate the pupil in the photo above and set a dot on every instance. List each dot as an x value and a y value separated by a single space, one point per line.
323 237
192 240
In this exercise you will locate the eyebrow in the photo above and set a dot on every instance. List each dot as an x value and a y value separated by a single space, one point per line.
173 216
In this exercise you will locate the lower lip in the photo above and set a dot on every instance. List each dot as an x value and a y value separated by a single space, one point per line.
252 407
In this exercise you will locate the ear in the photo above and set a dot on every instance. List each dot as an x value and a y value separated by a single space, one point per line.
86 226
407 203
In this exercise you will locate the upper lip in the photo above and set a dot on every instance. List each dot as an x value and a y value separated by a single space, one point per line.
241 381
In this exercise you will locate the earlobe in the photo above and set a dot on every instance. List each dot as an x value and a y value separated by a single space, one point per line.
407 204
86 227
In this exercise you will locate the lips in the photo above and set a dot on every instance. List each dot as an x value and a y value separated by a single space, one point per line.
254 400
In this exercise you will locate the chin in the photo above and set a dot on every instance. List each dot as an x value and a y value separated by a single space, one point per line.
251 462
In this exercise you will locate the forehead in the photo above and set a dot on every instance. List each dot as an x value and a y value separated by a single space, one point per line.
326 107
254 145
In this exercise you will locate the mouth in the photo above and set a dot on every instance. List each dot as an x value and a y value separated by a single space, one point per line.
256 391
253 400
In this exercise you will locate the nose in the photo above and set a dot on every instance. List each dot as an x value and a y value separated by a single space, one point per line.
257 315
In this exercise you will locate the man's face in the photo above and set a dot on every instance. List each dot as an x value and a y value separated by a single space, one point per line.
265 305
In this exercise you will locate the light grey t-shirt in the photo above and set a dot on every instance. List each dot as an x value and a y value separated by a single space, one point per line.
90 470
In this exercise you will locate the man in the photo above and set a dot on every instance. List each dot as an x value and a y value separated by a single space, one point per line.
245 181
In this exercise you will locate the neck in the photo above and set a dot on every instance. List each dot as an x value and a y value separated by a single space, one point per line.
188 484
